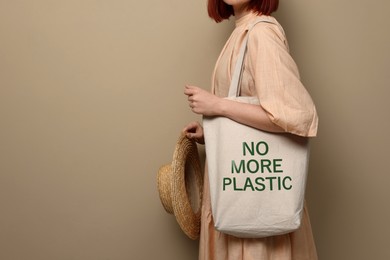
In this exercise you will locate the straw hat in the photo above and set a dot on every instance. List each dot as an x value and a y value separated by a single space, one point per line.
180 186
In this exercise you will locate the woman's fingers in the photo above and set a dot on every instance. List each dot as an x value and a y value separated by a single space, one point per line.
190 90
190 127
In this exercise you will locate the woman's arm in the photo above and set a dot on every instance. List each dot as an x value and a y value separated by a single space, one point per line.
248 114
207 104
277 82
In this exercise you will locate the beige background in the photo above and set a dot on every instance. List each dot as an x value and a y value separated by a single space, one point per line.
91 105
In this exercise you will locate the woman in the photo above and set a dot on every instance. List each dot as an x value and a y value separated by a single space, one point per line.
271 74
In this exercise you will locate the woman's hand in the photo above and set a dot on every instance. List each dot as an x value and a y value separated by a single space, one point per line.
194 131
201 101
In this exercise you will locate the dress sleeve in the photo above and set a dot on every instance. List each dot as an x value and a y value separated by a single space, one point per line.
277 81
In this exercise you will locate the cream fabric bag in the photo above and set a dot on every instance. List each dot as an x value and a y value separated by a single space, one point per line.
257 179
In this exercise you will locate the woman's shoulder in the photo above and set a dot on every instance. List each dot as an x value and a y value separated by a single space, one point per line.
266 28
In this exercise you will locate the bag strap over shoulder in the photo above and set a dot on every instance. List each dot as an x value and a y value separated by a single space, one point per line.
234 89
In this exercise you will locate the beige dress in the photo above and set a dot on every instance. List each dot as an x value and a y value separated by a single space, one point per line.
272 75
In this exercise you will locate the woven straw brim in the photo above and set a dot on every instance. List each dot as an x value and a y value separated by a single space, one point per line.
164 178
175 192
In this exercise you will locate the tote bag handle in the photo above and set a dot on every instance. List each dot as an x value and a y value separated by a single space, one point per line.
234 90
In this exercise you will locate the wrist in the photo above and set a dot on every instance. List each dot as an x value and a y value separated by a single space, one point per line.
222 107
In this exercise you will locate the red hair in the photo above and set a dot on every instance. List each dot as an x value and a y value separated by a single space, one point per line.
219 10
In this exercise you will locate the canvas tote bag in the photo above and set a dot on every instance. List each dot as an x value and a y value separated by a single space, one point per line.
257 178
